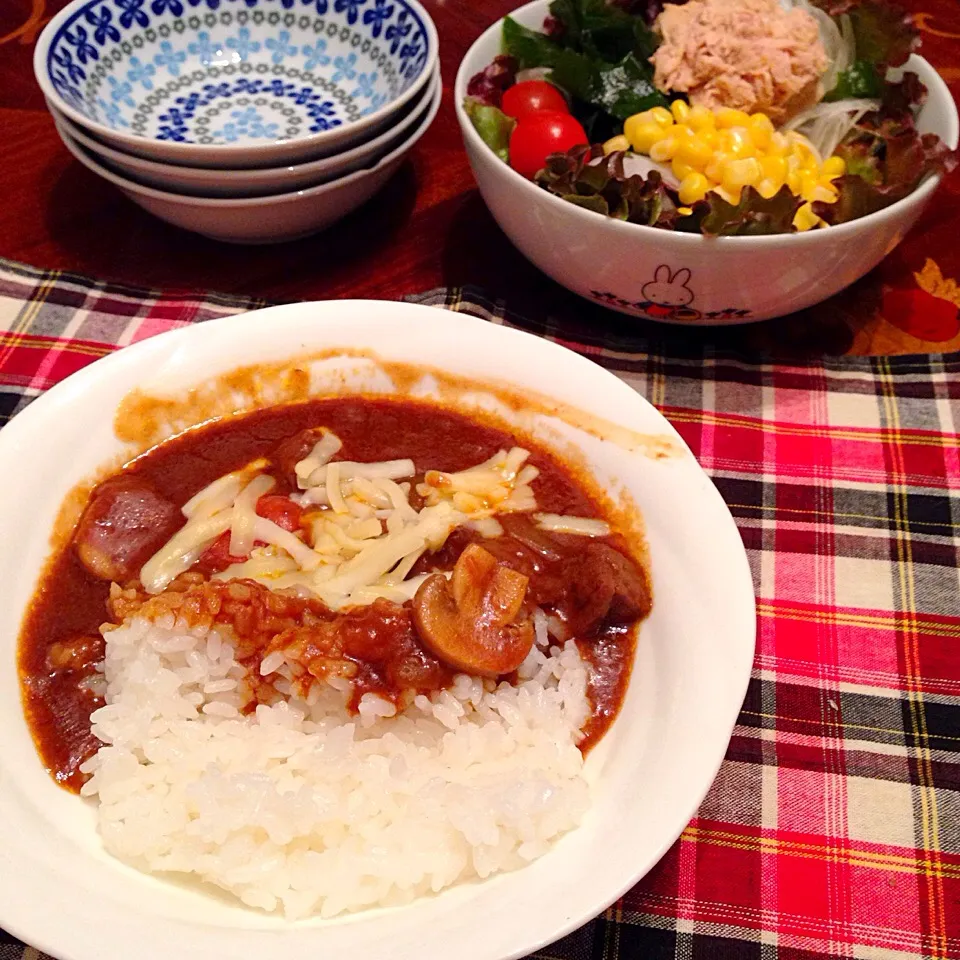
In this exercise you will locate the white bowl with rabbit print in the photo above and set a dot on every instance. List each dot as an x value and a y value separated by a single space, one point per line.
235 83
686 278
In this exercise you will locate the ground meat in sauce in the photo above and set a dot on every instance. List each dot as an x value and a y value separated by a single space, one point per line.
375 646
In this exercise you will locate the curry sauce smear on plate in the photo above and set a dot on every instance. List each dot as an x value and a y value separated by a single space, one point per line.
483 588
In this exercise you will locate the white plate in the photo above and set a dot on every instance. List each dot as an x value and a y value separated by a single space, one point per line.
61 892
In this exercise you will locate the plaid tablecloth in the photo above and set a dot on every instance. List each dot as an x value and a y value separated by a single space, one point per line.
833 828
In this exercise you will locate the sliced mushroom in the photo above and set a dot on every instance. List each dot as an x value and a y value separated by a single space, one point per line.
468 622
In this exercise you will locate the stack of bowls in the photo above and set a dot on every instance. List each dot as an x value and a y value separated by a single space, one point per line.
251 121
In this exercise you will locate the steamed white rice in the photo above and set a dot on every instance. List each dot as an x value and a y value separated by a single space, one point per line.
303 809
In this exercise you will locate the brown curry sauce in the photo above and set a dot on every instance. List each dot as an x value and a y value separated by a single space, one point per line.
71 603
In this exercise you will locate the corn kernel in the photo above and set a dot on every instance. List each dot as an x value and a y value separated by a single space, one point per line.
768 188
661 115
773 166
805 218
736 140
714 169
684 211
680 110
700 118
741 173
642 135
695 151
808 183
793 181
708 135
801 148
779 145
616 143
761 126
823 194
663 150
680 168
731 196
833 167
693 187
728 117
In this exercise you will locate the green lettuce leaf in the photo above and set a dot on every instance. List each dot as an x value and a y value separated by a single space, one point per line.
753 216
619 89
598 53
493 125
860 80
602 30
528 47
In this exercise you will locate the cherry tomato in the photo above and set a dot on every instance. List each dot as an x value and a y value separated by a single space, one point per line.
538 135
532 96
277 509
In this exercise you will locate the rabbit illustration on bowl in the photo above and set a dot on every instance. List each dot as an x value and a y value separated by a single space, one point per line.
667 296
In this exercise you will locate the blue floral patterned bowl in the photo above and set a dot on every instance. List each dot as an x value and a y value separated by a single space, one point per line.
235 83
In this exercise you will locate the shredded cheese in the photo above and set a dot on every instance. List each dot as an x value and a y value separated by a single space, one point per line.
581 526
334 493
183 550
362 538
220 494
267 531
245 514
323 451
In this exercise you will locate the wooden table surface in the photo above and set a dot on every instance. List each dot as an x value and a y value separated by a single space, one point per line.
429 227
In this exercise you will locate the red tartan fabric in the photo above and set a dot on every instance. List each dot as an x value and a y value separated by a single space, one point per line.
833 828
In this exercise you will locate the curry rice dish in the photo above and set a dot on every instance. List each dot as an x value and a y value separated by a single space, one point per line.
334 655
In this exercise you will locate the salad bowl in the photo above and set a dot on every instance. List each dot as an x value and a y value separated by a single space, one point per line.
687 278
226 85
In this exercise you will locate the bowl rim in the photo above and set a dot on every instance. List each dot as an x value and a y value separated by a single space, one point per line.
938 90
268 199
249 174
223 152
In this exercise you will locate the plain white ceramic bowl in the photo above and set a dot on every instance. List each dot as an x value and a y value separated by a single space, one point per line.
200 182
269 219
678 277
228 84
60 891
